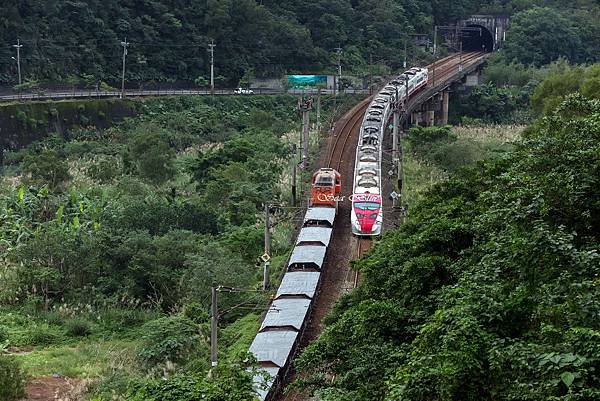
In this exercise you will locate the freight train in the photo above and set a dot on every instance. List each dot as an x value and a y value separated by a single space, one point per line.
286 318
367 211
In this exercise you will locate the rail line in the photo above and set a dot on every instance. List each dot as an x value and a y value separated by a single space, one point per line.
338 277
340 140
446 67
363 245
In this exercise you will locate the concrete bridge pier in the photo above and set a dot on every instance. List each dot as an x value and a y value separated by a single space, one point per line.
430 118
473 79
416 118
442 112
433 112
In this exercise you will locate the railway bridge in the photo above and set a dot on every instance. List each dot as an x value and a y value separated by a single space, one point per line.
430 106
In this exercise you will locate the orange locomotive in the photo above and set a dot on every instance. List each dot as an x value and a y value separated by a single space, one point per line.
326 185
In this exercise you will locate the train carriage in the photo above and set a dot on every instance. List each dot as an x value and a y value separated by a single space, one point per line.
367 210
367 214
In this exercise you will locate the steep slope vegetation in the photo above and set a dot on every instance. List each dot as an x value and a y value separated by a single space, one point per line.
490 292
79 41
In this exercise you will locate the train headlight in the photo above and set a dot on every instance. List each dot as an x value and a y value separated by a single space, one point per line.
376 228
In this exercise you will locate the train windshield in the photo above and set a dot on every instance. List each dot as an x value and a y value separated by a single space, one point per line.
324 182
367 205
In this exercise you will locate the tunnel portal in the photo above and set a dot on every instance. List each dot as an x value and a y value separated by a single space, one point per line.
477 37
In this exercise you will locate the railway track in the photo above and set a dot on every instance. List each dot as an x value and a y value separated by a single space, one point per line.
340 139
338 277
448 66
362 246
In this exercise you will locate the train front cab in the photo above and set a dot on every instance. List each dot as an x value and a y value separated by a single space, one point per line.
367 214
326 184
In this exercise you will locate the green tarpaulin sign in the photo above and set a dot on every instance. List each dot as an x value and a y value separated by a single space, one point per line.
303 81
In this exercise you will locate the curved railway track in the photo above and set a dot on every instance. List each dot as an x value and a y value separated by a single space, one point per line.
340 140
338 277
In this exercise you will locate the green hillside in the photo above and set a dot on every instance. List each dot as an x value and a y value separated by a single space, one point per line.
72 41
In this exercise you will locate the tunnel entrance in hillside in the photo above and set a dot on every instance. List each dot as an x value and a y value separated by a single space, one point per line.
477 37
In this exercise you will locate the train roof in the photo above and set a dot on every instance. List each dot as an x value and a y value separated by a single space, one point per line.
299 284
273 347
320 235
320 214
263 381
307 256
286 313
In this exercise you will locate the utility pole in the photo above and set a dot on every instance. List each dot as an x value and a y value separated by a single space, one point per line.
435 30
400 165
318 109
334 92
124 44
211 47
434 51
294 166
305 105
460 66
214 318
396 109
405 53
370 73
339 54
267 254
18 47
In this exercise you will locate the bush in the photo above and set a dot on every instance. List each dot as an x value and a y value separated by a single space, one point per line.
43 335
77 327
104 170
194 311
232 384
150 156
167 339
12 379
3 334
117 320
47 167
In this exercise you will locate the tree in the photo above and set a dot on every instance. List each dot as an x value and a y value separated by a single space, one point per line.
201 81
46 167
533 35
247 78
151 155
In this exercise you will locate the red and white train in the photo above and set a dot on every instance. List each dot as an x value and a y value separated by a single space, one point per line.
367 208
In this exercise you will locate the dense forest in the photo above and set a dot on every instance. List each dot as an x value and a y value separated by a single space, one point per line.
79 41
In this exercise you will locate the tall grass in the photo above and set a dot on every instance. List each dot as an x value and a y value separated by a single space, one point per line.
427 164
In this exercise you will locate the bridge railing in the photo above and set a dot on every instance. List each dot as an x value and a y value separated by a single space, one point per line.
429 92
93 94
